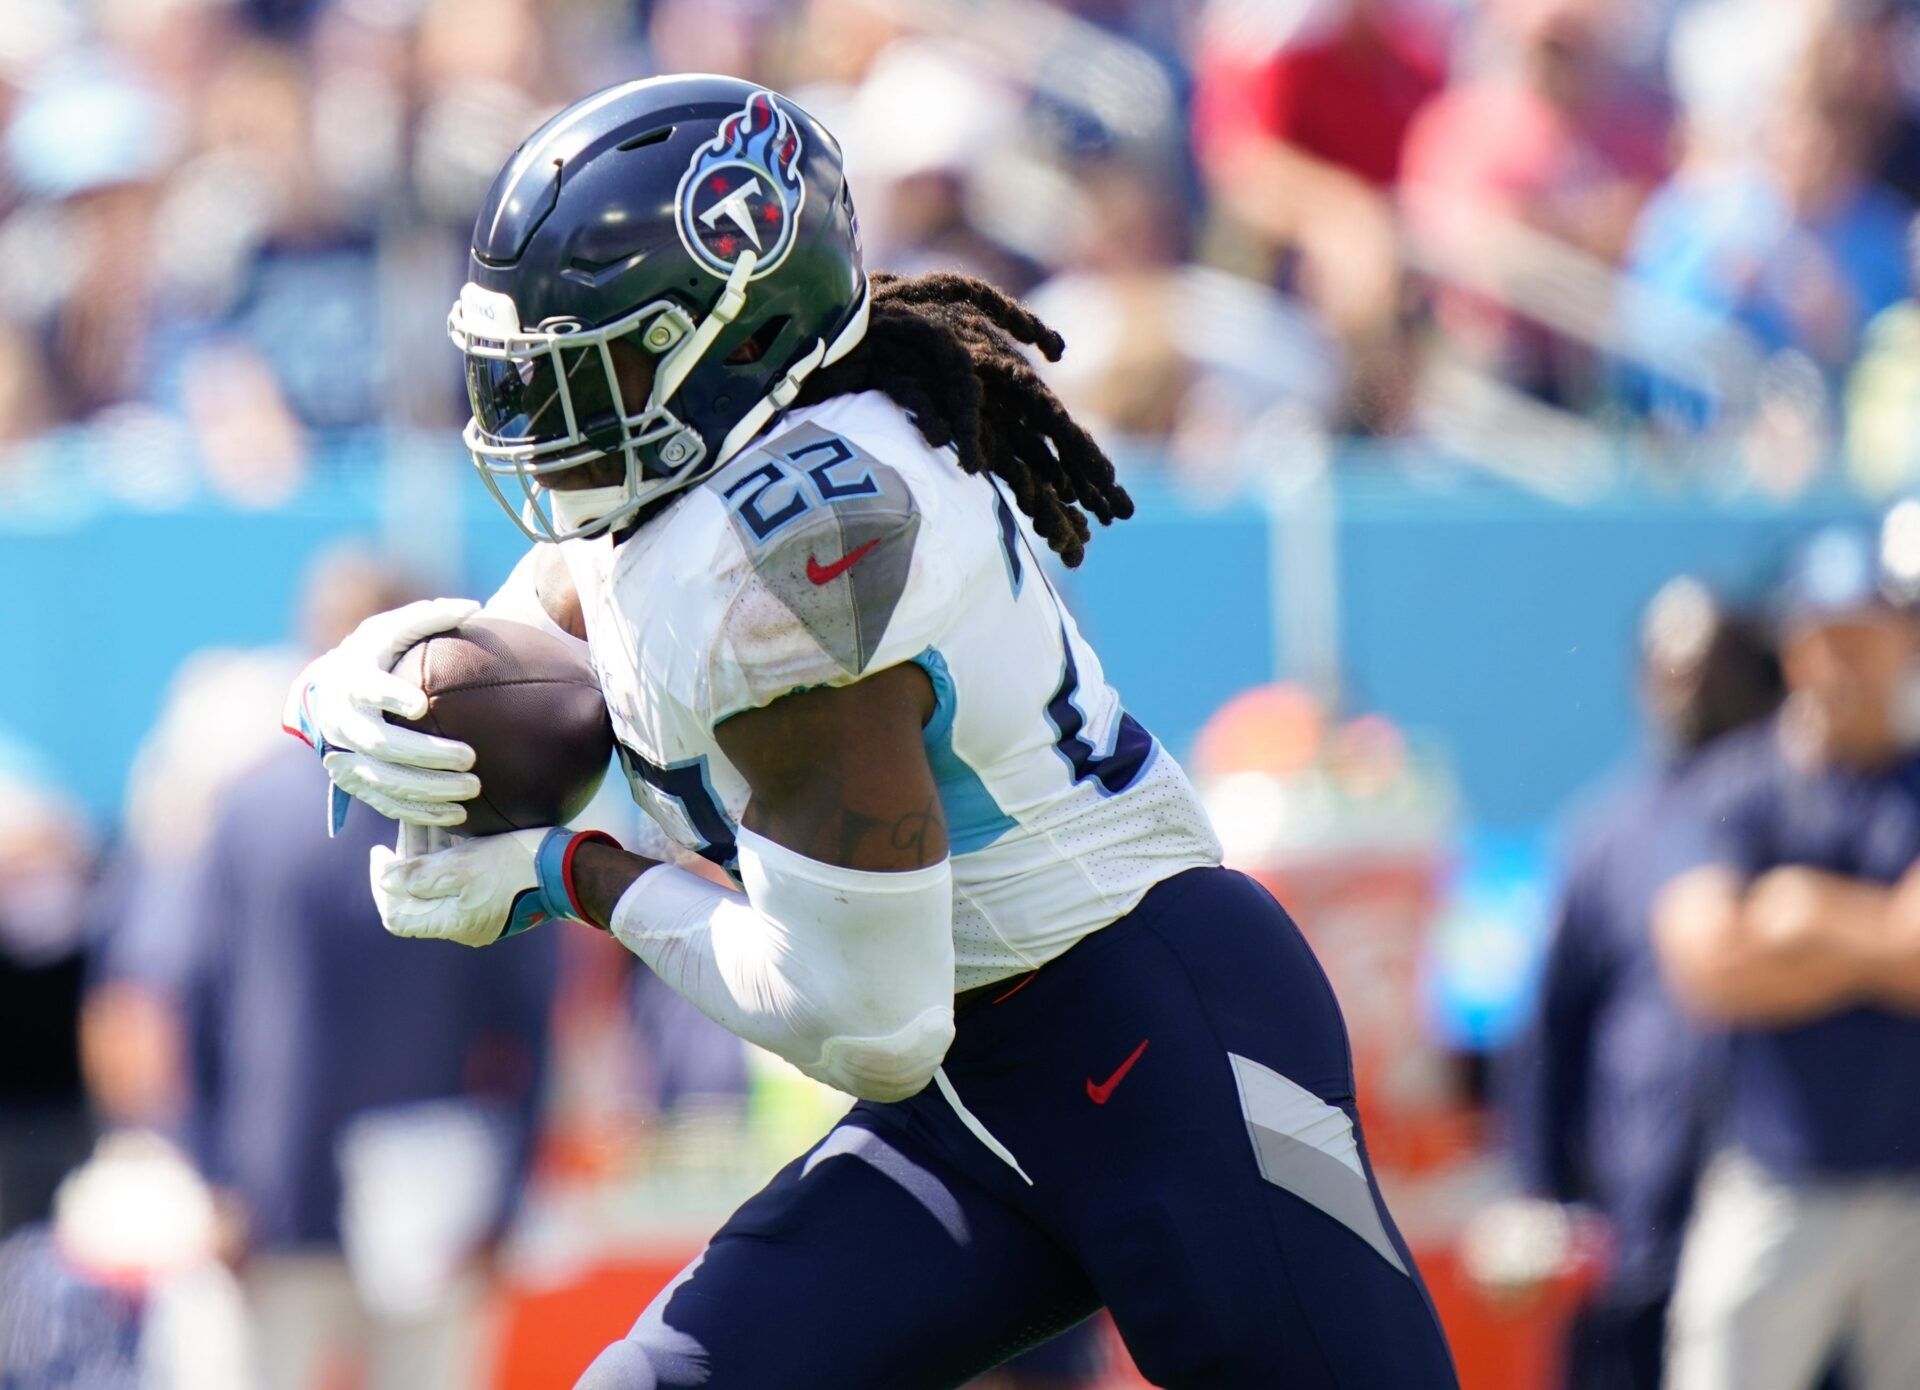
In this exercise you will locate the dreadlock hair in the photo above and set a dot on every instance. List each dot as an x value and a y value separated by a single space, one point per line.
946 349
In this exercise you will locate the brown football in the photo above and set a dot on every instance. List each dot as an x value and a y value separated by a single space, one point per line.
527 703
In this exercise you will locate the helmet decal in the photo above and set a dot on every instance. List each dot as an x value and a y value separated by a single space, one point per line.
743 191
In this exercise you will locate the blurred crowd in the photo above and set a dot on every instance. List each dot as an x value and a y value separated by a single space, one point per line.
229 229
1506 233
1711 1107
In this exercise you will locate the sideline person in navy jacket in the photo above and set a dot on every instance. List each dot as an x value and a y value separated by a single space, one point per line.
1793 921
1610 1089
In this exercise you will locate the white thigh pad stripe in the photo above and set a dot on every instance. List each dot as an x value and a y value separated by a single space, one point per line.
882 1157
653 1353
1309 1148
1272 1101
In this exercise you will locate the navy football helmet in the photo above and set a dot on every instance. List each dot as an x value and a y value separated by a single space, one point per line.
685 218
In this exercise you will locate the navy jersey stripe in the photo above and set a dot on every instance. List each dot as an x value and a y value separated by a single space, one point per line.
1132 745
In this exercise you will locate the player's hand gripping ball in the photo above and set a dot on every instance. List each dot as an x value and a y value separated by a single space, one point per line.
435 717
340 703
528 706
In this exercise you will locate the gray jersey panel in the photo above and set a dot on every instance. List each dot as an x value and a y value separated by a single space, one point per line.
839 563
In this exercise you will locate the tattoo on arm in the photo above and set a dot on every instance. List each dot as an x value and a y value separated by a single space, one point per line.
922 834
847 836
841 774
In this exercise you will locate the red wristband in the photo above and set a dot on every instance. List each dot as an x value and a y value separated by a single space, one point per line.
566 870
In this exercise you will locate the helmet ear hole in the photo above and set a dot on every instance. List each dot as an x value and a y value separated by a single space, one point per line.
761 343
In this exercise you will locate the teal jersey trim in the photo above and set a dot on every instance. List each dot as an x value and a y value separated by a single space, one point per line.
974 818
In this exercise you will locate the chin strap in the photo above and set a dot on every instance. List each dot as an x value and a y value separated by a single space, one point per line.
787 389
678 364
783 394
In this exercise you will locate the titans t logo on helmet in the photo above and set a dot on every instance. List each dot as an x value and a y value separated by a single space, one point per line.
743 190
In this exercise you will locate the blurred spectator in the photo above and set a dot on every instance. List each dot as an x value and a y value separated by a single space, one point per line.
174 43
302 294
367 1105
1729 64
219 719
1559 137
25 391
1611 1092
273 325
1116 301
317 1067
484 76
921 128
831 46
44 859
228 228
1794 924
123 1289
730 36
1865 48
1301 133
91 141
1798 246
1172 362
1883 393
1332 94
690 1063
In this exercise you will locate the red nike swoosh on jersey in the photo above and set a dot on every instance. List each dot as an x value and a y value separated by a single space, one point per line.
826 574
1098 1094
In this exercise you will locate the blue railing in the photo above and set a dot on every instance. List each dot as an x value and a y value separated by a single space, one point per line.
1495 623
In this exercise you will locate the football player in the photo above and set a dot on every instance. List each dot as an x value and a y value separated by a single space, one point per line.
777 500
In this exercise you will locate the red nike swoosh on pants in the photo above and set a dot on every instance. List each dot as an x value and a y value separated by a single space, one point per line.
1098 1094
826 574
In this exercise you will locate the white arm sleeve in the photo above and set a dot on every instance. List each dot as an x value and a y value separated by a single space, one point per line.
847 974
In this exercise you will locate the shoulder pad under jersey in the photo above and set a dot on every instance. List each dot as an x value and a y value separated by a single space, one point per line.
839 575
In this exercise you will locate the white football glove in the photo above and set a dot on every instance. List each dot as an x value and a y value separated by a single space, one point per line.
477 891
338 705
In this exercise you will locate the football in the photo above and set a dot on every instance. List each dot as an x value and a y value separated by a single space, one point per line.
528 705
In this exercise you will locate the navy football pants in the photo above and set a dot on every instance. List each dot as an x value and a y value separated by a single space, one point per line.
1178 1087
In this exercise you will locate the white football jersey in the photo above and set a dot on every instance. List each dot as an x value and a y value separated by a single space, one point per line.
843 544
